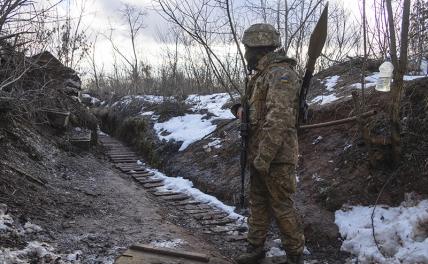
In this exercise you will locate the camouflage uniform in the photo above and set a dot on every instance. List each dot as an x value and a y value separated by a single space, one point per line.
273 94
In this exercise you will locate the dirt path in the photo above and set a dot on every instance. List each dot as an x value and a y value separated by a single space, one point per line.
88 206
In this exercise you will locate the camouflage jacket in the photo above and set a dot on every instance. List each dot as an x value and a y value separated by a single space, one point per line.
273 103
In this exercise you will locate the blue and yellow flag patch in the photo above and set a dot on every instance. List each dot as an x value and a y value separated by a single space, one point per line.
284 79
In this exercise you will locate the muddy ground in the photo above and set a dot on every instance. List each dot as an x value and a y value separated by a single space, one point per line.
335 167
83 203
80 201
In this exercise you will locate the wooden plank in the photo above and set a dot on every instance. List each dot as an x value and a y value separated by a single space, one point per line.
152 185
224 229
178 197
172 252
210 216
132 170
141 174
236 238
196 211
124 160
157 193
223 221
145 180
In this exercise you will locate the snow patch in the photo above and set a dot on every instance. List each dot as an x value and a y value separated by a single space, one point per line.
400 231
149 113
411 78
180 184
331 82
213 103
324 99
188 129
193 127
360 86
174 243
41 252
32 228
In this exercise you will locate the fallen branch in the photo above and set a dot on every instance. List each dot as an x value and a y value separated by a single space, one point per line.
340 121
34 179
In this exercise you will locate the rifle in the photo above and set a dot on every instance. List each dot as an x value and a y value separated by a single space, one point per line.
244 142
316 44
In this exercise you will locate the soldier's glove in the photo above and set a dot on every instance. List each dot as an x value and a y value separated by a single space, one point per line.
261 165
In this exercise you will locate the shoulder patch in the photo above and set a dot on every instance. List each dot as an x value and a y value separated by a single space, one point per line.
284 79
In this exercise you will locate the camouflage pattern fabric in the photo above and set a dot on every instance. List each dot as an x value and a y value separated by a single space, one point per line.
273 95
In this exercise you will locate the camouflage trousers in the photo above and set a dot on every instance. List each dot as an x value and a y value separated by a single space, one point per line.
271 195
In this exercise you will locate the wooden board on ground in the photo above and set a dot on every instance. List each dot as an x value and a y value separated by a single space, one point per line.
146 254
174 198
274 260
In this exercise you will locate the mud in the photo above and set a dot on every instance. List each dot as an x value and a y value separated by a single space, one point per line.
80 201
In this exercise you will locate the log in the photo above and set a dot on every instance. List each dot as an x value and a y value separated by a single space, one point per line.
172 252
340 121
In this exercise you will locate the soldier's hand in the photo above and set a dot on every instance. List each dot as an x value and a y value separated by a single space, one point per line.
240 112
261 166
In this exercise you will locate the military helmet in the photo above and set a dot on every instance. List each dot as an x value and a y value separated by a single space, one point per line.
261 35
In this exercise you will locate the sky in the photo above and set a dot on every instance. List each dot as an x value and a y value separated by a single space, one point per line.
102 15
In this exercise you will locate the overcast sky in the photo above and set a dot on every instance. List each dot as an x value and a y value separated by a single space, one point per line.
101 15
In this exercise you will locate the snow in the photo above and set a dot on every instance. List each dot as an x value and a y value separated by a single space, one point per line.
94 100
188 129
400 231
373 78
330 82
174 243
216 143
5 219
193 127
277 251
213 103
154 99
147 113
182 185
32 228
424 66
359 85
411 78
324 99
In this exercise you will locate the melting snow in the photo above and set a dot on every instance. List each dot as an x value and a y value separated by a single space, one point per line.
174 243
411 78
277 251
372 80
213 103
180 184
216 143
330 82
147 113
193 127
324 99
188 128
400 231
34 250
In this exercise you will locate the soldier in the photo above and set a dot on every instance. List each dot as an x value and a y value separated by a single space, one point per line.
272 98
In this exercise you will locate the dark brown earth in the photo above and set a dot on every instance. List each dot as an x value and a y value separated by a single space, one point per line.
335 168
83 203
80 200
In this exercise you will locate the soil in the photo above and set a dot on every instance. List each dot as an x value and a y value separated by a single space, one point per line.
83 203
80 200
335 168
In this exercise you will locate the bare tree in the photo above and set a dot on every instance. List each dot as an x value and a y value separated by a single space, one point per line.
400 65
134 19
70 38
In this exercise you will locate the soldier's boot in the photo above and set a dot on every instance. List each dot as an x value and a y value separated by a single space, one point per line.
252 255
294 259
